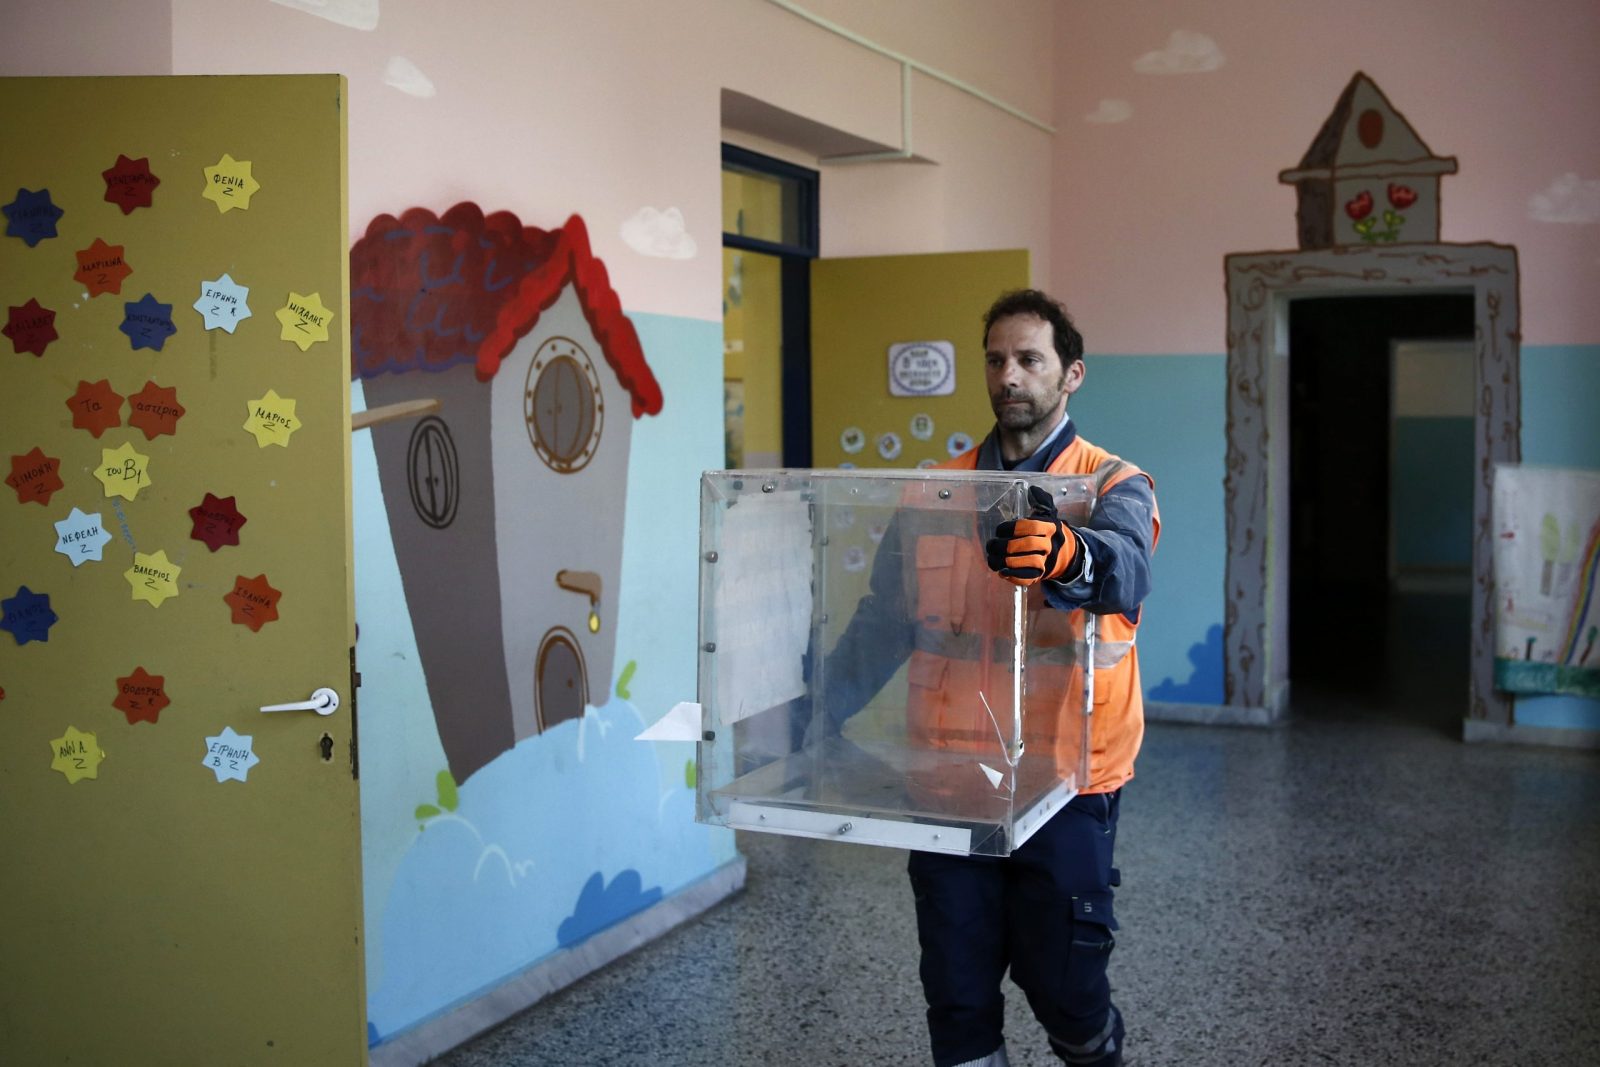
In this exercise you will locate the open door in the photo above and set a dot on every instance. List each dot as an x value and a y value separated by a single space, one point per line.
897 355
181 870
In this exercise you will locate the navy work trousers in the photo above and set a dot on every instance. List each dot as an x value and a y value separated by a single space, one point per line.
1045 912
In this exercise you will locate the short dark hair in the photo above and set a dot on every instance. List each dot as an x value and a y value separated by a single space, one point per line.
1069 342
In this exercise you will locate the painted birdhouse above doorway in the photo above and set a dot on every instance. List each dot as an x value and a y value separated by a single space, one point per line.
1367 178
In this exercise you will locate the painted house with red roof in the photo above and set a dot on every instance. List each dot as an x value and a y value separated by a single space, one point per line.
505 497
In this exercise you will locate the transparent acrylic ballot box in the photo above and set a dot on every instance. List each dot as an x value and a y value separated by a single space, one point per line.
864 676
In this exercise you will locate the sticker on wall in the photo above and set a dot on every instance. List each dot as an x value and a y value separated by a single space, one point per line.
81 538
35 476
123 471
922 427
958 443
877 531
229 184
101 268
271 420
852 440
925 464
230 755
223 303
30 327
95 407
141 696
129 183
844 518
304 319
154 578
27 616
155 410
847 466
889 445
32 216
77 755
216 521
147 322
855 559
254 602
922 368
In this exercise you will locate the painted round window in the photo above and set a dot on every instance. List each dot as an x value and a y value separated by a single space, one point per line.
434 473
562 405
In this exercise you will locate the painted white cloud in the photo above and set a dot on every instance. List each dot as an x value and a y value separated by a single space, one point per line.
357 14
1567 199
1110 111
659 233
404 75
1187 52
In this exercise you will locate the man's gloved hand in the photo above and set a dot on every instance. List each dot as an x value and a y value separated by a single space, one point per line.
1026 551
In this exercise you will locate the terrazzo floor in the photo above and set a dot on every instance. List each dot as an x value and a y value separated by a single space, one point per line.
1356 886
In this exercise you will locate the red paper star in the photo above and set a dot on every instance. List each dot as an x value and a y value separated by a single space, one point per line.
96 407
141 696
217 522
35 477
254 602
30 327
130 184
155 410
101 268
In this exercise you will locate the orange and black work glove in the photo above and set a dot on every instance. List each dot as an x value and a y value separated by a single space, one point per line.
1026 551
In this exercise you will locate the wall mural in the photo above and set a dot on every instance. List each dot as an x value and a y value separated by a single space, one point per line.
503 504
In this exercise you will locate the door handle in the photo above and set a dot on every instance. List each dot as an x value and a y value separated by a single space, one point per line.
323 702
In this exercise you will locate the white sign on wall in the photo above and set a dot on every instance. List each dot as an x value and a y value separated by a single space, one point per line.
922 368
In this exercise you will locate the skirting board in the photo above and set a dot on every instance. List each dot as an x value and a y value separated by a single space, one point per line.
1548 736
1209 714
459 1025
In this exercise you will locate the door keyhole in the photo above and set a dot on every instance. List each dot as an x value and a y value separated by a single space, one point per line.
327 748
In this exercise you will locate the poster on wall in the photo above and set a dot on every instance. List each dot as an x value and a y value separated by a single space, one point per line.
922 368
1546 558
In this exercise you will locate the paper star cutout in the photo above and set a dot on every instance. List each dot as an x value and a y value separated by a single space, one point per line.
254 602
123 471
305 320
96 407
141 696
147 322
229 184
230 755
153 577
35 477
27 615
130 184
77 755
101 268
223 304
31 216
216 522
271 420
81 538
31 327
155 410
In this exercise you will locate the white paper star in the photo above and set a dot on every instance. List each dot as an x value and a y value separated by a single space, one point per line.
223 304
230 755
81 537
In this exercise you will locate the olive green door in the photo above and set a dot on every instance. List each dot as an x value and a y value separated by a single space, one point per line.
179 870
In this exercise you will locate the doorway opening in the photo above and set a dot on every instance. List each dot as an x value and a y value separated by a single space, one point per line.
769 238
1380 479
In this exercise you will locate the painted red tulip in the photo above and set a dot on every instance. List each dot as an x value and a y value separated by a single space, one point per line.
1360 207
1402 196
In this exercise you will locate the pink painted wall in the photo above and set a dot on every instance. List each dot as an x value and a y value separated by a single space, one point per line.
1146 208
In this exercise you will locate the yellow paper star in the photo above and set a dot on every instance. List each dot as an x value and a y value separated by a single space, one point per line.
123 471
77 755
271 420
229 184
153 577
305 320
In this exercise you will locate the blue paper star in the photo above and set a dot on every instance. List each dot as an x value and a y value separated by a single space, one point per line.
27 615
147 322
31 216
